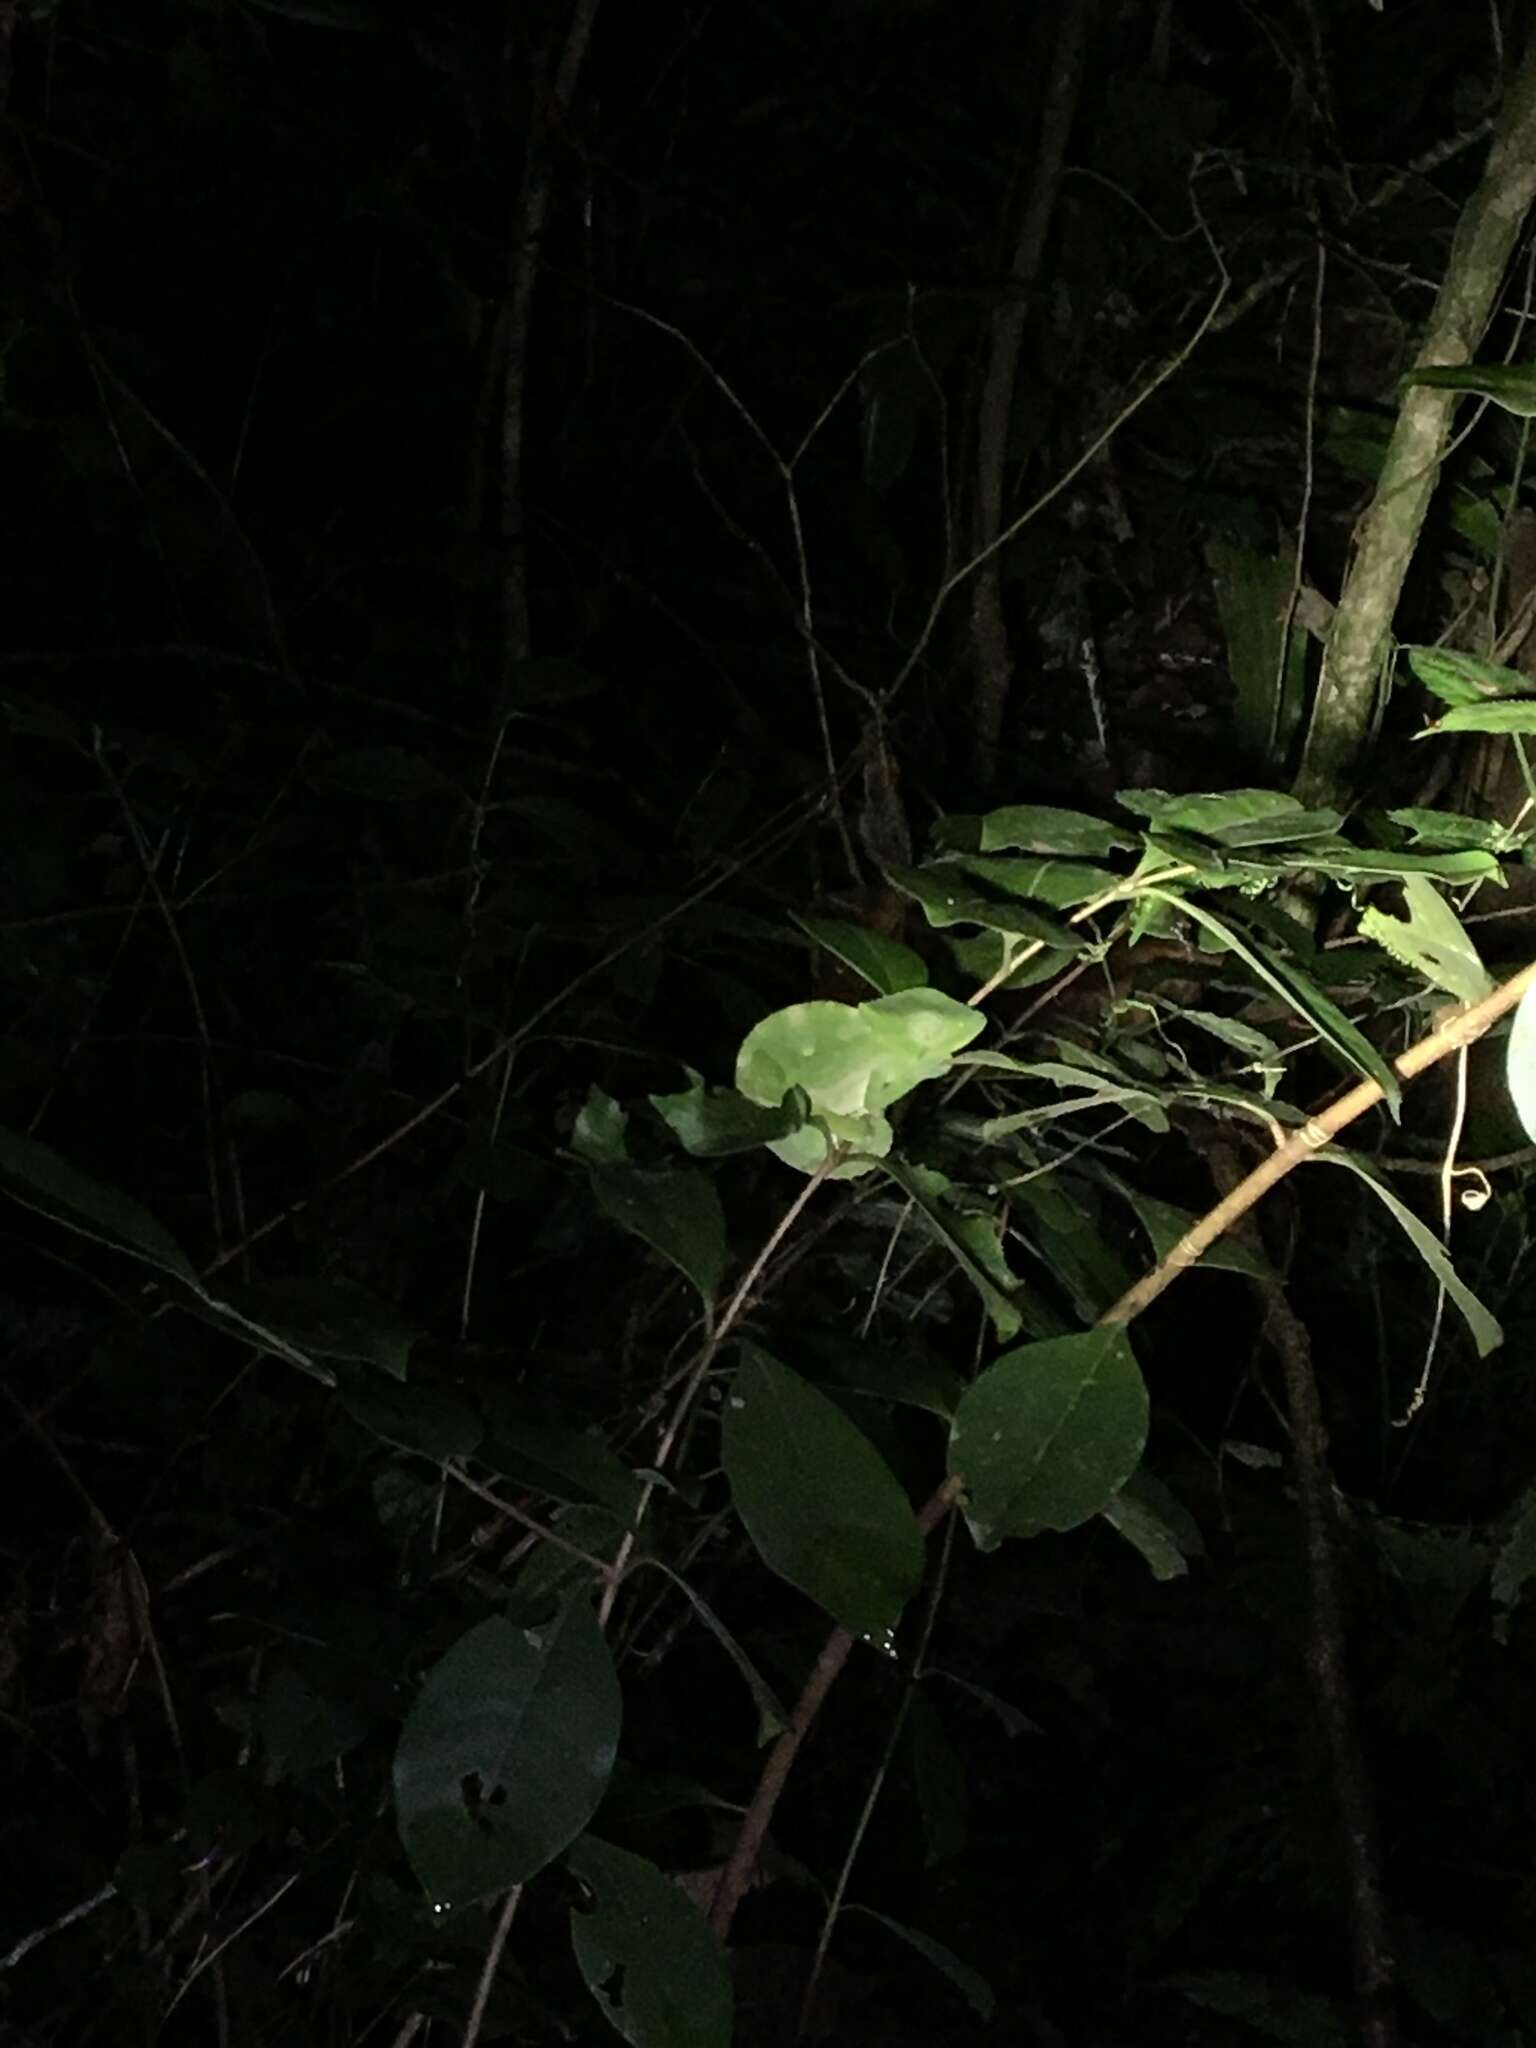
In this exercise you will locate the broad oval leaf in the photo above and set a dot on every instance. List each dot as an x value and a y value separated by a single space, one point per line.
647 1953
819 1502
505 1754
853 1060
1048 1435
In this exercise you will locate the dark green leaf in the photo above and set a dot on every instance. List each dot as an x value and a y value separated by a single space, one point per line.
598 1135
1497 718
942 1792
885 963
818 1500
712 1123
1351 1045
946 901
971 1985
1511 386
1061 883
328 1319
972 1241
417 1418
567 1464
647 1953
505 1754
675 1210
1234 817
1049 1434
39 1178
1034 828
1457 678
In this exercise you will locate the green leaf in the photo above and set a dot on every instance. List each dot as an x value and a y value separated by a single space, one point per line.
418 1418
675 1210
945 901
1165 1223
647 1953
1375 863
1061 1228
1234 817
1151 1521
817 1499
42 1180
1049 1434
885 963
1266 657
1497 718
1457 678
1520 1064
853 1061
300 1727
1061 883
1078 1090
549 1576
1351 1045
327 1318
713 1123
972 1242
598 1135
906 1376
505 1754
1486 1333
1449 831
567 1464
942 1790
971 1985
1511 386
1431 940
1034 828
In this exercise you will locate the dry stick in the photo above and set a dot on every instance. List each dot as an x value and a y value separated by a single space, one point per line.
1459 1030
